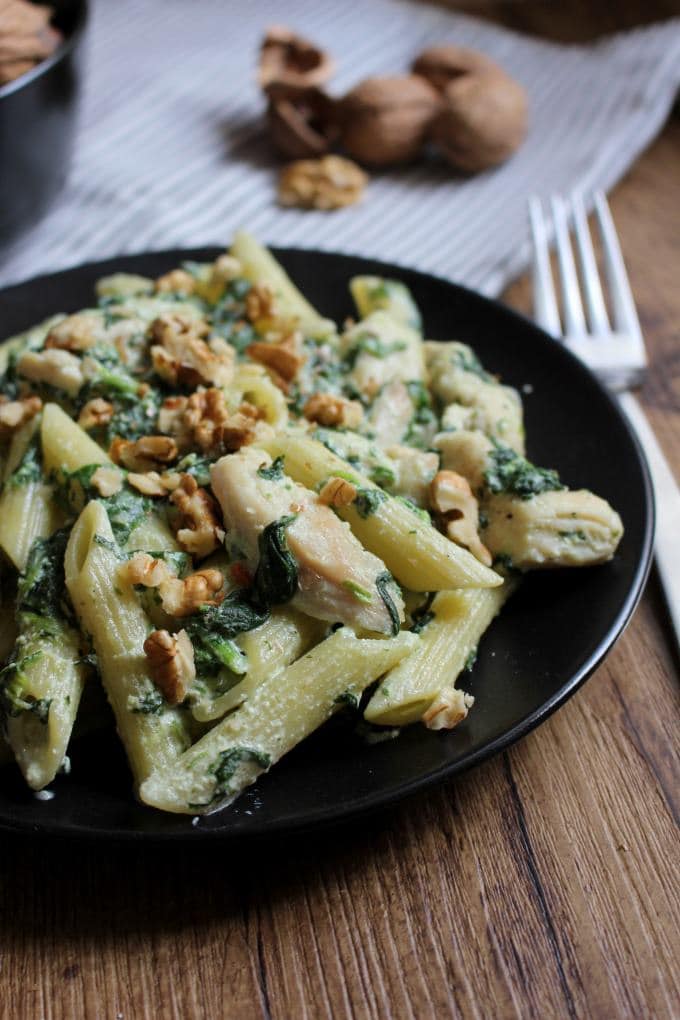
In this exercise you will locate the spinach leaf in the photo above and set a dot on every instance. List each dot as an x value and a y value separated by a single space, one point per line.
28 470
196 466
382 583
276 578
133 416
149 703
13 698
511 473
225 766
274 472
42 588
367 501
212 628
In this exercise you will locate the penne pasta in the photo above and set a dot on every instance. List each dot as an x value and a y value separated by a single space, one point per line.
422 685
282 711
153 733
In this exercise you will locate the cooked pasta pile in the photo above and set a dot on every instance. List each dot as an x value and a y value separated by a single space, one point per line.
238 519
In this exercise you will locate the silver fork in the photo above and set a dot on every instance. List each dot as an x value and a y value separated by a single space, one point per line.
616 353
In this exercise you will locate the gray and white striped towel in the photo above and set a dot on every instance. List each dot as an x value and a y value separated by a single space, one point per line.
171 151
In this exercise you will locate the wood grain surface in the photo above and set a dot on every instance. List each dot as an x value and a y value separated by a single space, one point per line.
542 884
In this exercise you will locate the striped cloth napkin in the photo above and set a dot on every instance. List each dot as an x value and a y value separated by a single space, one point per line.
171 150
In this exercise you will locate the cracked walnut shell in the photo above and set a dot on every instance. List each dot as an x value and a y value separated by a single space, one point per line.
290 59
328 183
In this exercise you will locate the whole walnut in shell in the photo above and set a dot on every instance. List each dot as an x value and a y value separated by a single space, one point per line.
441 64
386 120
482 121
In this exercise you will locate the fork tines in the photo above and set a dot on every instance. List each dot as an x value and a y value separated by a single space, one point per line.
614 351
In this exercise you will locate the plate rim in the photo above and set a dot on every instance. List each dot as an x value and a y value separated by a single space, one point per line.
328 816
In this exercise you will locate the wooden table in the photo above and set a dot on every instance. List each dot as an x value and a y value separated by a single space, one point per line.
543 884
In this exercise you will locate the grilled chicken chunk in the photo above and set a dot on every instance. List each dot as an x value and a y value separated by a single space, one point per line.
338 580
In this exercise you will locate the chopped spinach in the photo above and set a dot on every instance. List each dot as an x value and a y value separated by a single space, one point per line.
511 473
212 629
126 509
149 703
367 501
369 343
421 620
276 578
466 359
274 472
383 476
382 583
348 698
196 466
9 383
470 660
133 416
28 470
225 766
13 698
42 590
417 510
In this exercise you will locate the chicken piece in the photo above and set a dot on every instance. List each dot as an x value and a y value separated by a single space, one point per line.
337 579
414 469
391 414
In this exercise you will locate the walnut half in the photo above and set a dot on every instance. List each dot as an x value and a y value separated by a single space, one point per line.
328 183
171 663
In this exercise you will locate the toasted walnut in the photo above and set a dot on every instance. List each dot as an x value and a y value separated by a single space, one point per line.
448 709
95 413
331 182
75 333
143 454
177 281
330 411
226 268
171 480
60 369
145 570
203 420
337 492
148 483
171 663
184 596
260 303
14 413
451 497
198 528
180 354
283 357
107 481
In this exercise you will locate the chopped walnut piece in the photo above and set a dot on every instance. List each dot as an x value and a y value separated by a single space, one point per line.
171 663
184 596
149 483
60 369
176 281
198 528
95 413
331 182
15 413
181 355
260 303
203 420
107 480
145 570
226 268
76 332
448 709
330 410
451 497
282 357
143 454
337 492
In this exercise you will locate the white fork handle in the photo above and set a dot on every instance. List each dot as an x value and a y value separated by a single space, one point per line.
667 493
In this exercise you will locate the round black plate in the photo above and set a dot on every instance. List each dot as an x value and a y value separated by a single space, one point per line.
548 639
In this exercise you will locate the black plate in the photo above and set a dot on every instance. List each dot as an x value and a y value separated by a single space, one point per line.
549 638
